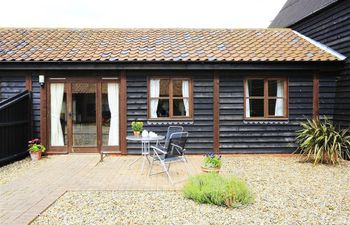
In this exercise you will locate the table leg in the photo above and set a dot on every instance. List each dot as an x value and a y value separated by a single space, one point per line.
145 152
142 151
146 147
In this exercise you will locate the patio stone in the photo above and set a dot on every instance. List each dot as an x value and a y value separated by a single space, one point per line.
286 192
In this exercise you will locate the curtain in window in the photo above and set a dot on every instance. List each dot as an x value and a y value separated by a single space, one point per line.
247 103
279 102
57 92
113 103
154 89
186 95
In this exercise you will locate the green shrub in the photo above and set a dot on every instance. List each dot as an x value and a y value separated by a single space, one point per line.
321 142
211 188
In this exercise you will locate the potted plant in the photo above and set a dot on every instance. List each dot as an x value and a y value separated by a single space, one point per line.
211 163
136 127
35 149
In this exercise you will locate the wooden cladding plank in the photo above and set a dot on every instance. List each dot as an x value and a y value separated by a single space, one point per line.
29 82
216 112
123 112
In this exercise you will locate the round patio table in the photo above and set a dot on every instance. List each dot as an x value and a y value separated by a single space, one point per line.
145 147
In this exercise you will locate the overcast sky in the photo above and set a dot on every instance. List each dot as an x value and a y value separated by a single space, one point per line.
139 13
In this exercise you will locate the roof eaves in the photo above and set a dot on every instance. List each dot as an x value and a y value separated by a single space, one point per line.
321 46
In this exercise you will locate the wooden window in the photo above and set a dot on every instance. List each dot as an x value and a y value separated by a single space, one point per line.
266 98
169 98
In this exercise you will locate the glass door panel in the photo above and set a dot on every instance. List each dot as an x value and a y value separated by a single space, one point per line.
84 114
110 114
58 115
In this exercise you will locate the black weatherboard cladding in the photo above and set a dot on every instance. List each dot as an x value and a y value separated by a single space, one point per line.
36 105
11 84
239 136
331 26
200 128
236 135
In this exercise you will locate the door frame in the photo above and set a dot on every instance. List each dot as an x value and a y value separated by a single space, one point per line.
69 148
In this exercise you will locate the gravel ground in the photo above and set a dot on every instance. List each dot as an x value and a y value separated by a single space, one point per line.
286 192
19 168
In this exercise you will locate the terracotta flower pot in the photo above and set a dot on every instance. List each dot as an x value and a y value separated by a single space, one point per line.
137 133
35 155
210 170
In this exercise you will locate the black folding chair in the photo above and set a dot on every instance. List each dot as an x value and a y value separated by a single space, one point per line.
174 152
170 131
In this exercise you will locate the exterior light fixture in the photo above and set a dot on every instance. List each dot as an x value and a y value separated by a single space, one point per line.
41 80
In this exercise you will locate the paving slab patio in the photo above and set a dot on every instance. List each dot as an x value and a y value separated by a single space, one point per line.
30 194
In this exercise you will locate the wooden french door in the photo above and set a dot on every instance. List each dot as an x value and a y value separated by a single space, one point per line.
83 115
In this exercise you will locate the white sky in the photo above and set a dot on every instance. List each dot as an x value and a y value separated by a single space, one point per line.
139 13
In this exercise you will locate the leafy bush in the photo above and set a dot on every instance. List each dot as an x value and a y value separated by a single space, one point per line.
211 160
136 126
321 142
212 188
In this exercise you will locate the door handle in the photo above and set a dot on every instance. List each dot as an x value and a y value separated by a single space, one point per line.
70 114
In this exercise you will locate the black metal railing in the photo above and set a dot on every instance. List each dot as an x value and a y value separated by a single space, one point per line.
15 127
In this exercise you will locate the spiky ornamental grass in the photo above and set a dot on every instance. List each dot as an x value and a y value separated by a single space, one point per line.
211 188
321 141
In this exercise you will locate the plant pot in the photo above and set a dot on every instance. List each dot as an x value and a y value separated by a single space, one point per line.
137 133
35 155
210 170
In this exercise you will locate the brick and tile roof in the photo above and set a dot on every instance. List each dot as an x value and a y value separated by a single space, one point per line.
153 45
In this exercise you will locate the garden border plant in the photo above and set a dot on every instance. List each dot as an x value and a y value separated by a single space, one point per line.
212 188
321 141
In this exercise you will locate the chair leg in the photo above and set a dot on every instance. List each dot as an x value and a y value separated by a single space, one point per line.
143 164
167 173
186 165
150 168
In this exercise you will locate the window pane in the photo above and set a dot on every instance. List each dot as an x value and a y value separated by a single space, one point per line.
256 87
84 114
276 88
179 107
177 88
272 88
163 108
164 88
63 118
106 115
256 107
276 107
